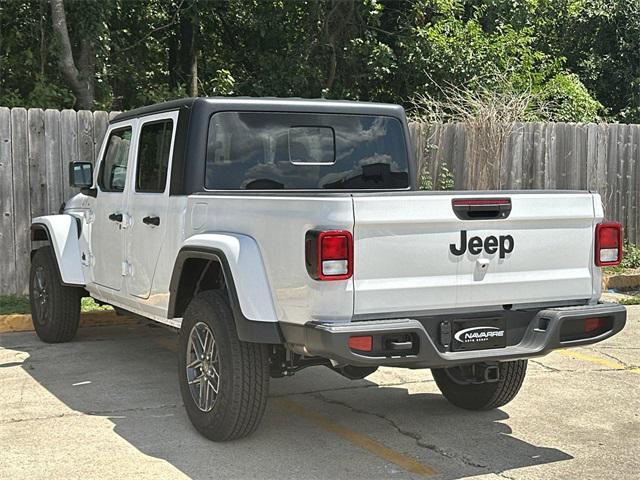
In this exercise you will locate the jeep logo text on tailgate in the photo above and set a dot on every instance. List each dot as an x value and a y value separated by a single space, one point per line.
503 244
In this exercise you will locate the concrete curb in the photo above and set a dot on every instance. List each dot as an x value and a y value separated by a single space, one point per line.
23 323
623 281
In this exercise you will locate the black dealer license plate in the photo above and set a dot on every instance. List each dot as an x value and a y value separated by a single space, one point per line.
479 334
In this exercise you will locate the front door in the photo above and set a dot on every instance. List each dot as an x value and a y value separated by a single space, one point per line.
148 203
110 218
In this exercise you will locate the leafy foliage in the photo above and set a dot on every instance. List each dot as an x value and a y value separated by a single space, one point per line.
581 57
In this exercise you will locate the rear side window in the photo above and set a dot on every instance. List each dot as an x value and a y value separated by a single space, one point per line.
113 170
153 156
270 151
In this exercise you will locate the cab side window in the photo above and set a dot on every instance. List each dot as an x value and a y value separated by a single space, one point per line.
153 156
113 170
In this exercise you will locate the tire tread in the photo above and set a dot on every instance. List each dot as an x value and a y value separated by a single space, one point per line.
247 402
65 315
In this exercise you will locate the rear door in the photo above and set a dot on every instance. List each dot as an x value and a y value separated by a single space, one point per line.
415 254
149 200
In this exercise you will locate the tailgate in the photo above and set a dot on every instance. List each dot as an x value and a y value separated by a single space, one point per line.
413 254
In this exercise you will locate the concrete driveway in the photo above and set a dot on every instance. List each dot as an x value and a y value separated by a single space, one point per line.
107 406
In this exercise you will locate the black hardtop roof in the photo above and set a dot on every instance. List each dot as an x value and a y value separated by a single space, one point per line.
215 104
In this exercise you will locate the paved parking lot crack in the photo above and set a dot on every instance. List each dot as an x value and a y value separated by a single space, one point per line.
613 357
546 367
417 438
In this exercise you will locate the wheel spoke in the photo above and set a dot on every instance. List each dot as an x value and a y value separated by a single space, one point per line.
40 280
202 366
195 363
202 387
207 384
205 348
198 353
197 332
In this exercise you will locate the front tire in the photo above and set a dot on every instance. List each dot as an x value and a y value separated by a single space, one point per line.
481 396
224 381
55 308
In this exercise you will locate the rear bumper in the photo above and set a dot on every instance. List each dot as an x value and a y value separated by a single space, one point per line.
330 340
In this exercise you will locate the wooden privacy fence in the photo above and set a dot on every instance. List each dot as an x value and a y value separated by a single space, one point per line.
561 156
36 147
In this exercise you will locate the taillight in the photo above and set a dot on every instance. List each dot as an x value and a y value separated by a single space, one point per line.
608 244
364 344
594 324
329 255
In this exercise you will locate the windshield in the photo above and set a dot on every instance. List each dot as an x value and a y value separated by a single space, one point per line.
267 151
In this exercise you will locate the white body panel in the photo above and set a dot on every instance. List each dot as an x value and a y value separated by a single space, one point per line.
144 241
402 260
404 264
278 225
64 238
247 269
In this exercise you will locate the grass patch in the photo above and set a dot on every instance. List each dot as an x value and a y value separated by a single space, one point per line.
16 304
635 300
13 304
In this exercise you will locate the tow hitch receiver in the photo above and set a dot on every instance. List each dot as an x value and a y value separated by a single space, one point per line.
474 374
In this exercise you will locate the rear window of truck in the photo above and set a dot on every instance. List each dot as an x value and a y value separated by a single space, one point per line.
271 151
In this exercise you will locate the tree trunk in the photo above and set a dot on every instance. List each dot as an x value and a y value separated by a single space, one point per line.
81 80
189 29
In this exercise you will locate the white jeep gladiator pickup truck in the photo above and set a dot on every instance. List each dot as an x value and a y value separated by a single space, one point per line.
279 234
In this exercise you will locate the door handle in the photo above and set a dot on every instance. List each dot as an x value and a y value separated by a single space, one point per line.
151 220
116 217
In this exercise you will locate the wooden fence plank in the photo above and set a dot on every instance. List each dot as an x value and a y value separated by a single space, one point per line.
515 172
630 190
37 164
528 159
539 152
7 223
86 147
601 185
458 157
564 148
636 145
53 160
550 165
21 196
100 122
591 157
69 150
620 177
445 148
433 144
579 162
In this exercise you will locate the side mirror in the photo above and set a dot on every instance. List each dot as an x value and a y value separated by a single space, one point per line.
81 174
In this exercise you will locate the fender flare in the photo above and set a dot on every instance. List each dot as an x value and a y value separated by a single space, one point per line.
62 234
238 255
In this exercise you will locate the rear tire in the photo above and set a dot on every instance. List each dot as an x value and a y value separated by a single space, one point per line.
55 308
482 396
224 382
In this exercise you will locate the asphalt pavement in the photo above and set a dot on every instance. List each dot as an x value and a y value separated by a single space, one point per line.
107 405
